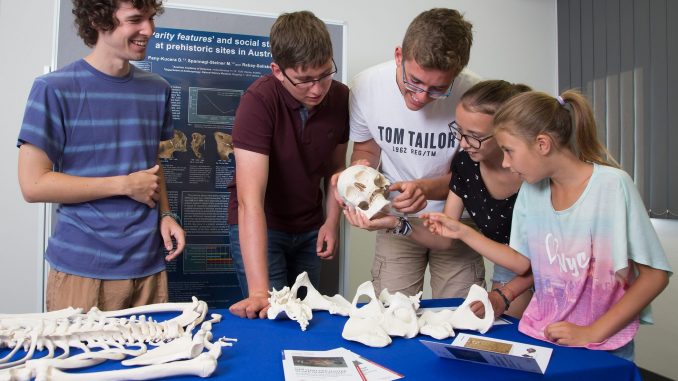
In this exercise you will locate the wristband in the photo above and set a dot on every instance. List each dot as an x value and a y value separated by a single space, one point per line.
403 227
169 213
503 296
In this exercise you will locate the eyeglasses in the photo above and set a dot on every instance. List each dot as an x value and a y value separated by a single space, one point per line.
308 84
433 94
470 140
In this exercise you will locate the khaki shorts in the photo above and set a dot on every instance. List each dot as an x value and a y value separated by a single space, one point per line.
400 263
66 290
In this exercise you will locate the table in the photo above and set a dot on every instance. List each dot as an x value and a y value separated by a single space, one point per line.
258 353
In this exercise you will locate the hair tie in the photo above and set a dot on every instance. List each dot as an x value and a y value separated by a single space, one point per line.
560 100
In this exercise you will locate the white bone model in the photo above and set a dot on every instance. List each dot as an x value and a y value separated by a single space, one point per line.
364 188
365 324
285 302
441 325
374 323
102 336
400 316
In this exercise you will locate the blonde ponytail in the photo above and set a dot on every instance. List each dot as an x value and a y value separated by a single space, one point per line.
567 119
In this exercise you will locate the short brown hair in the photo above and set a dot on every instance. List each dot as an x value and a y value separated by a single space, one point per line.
439 39
300 39
91 16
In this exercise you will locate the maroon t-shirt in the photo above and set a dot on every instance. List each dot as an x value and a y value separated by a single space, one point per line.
269 121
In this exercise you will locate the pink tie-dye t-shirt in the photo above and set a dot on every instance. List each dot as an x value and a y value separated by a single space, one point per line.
582 257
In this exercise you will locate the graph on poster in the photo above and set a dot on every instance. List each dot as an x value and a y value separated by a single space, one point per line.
212 106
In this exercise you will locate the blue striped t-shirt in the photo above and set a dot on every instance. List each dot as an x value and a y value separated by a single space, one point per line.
94 125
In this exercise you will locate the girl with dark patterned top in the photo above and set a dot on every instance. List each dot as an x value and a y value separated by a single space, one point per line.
484 187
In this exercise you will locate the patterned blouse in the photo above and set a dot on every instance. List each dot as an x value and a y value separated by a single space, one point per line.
492 216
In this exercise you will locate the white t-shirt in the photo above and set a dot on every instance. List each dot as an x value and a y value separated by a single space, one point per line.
414 144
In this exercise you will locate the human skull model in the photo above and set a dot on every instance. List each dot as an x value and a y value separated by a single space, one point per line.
364 188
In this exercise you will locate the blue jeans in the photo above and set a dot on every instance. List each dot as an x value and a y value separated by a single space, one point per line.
288 256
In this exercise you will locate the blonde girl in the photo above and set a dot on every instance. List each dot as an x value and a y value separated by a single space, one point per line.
578 223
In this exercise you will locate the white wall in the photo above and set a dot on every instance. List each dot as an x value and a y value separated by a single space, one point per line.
514 40
26 49
656 347
505 47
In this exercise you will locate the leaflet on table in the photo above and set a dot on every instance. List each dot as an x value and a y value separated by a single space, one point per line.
336 364
495 352
498 321
372 371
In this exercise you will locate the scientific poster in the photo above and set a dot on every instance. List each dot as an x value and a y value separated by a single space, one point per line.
208 73
209 56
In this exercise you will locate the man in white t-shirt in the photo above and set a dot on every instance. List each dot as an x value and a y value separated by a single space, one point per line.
399 115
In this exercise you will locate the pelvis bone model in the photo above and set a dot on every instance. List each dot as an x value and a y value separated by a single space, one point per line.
102 336
364 188
374 323
285 302
441 325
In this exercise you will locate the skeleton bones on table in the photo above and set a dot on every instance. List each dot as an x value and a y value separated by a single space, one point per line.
374 323
395 315
102 336
286 303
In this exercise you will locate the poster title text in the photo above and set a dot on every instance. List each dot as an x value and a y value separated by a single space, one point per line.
197 43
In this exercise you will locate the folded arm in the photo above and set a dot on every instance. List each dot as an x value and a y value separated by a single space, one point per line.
39 182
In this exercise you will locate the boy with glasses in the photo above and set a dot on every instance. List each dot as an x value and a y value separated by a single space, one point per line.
290 133
399 112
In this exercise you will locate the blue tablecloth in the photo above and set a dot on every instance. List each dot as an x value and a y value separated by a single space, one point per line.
258 353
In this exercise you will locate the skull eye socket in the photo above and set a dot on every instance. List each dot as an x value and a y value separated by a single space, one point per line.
364 205
380 181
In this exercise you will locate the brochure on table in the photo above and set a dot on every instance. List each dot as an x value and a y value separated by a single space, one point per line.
338 364
495 352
